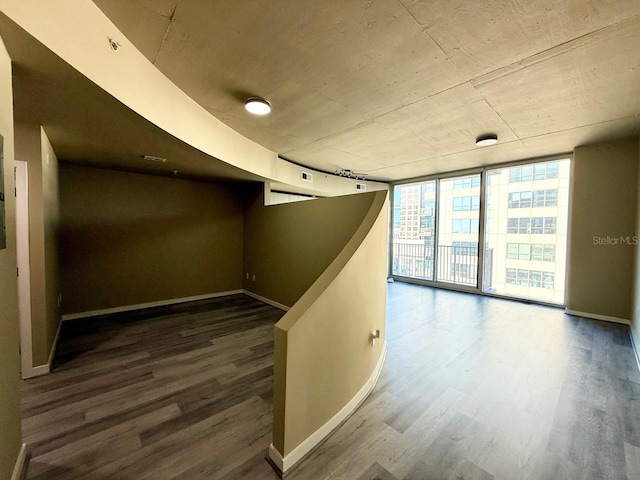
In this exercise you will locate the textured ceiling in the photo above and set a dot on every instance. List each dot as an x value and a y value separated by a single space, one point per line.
399 89
88 126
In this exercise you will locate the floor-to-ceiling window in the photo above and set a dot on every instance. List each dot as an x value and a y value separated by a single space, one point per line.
505 224
458 230
414 230
526 214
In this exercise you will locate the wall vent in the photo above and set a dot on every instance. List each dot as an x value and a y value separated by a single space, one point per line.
361 187
306 176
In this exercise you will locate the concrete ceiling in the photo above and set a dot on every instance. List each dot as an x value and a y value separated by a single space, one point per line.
401 88
89 127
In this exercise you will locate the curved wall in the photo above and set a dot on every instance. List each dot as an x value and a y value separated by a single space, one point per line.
288 246
325 364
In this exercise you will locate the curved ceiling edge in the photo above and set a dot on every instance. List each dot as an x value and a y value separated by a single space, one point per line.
79 33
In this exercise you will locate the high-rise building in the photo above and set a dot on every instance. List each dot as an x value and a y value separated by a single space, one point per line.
525 230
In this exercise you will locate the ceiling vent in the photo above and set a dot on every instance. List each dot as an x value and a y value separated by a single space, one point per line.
306 177
361 187
151 158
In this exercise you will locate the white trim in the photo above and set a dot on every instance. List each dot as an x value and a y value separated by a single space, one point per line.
161 303
298 453
46 368
52 353
24 268
634 345
276 458
597 316
20 468
266 300
40 370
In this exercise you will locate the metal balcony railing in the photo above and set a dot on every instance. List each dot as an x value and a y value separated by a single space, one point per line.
455 264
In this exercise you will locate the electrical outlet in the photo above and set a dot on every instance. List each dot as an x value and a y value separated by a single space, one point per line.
247 275
254 277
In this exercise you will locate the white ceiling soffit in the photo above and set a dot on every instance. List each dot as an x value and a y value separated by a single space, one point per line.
401 88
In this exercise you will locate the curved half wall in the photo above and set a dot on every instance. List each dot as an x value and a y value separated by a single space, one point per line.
325 362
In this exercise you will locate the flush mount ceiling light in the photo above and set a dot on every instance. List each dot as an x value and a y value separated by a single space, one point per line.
115 46
486 140
257 106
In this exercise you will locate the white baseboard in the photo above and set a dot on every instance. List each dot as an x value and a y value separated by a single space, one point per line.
39 370
266 300
52 353
20 469
635 346
298 453
46 368
597 316
140 306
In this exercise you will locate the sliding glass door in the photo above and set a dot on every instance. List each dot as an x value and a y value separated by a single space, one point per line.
458 230
507 225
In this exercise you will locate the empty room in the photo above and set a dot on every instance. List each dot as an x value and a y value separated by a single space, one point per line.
358 240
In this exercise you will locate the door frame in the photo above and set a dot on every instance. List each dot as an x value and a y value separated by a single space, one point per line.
21 177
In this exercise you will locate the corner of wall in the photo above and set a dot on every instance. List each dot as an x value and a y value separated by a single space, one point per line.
635 314
604 193
51 218
10 431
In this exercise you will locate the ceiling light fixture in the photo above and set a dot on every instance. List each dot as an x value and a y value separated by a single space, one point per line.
257 106
486 140
115 46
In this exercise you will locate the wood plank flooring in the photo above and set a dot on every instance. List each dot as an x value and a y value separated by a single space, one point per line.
473 388
172 392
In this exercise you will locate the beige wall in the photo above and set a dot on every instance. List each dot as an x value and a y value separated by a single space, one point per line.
10 436
128 239
33 147
635 317
322 352
603 204
288 246
51 229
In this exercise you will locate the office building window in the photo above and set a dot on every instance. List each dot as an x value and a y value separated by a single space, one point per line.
529 173
536 198
536 252
466 204
467 182
465 225
534 225
530 278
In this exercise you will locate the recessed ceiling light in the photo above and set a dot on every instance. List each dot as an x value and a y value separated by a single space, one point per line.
486 140
257 106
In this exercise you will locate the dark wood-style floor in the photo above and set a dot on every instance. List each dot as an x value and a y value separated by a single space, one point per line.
473 388
173 392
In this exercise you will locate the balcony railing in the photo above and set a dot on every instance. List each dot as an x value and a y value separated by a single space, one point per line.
455 264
